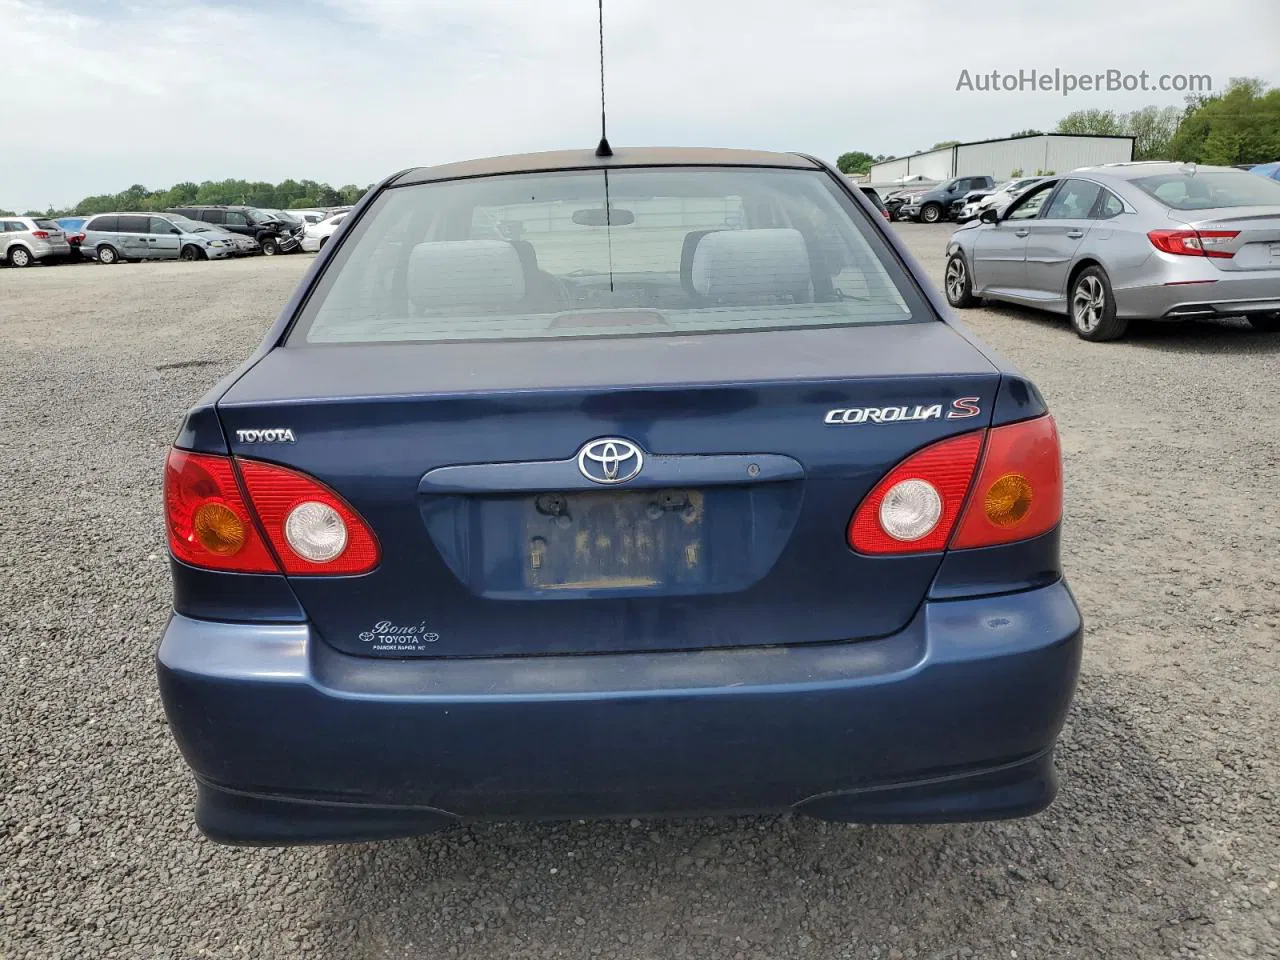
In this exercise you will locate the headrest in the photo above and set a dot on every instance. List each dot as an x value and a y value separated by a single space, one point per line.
750 264
483 274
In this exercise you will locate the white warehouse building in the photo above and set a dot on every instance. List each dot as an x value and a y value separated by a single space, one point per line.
1006 158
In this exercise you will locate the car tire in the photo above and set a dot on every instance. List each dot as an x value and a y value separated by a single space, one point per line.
957 283
930 213
1092 307
323 241
108 254
191 252
20 257
1265 322
269 247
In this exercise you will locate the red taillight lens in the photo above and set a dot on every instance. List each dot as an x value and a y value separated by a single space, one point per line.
1018 492
40 234
208 521
313 530
1194 243
921 499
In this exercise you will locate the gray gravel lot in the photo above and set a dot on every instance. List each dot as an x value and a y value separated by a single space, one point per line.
1165 841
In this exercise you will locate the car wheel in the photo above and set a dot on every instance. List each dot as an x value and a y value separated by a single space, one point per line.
1265 322
931 213
323 241
269 247
957 283
108 255
20 257
192 252
1093 307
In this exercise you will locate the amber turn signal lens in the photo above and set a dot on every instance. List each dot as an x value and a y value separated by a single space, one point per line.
218 529
1008 500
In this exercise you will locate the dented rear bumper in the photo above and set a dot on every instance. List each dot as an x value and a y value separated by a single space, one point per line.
953 718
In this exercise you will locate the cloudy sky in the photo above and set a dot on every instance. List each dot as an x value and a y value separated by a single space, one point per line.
96 95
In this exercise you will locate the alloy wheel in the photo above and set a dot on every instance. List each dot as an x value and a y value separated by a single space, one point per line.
1088 303
955 279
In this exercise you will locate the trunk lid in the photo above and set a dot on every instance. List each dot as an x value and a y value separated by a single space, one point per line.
1257 247
468 460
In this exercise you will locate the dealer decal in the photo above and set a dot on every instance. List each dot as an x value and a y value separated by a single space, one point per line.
388 637
961 409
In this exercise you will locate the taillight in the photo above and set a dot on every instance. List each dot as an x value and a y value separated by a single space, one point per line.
1194 243
1018 492
40 234
1016 495
210 525
314 531
914 508
310 529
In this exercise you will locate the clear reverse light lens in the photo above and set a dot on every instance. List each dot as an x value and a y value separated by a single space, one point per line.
910 510
315 532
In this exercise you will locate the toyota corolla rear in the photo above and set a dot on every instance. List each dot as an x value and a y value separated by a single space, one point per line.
581 487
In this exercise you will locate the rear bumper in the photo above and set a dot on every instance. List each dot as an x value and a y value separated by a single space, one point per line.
954 718
1200 290
42 251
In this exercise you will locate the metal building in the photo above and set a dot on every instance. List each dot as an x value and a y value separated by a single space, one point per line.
1007 157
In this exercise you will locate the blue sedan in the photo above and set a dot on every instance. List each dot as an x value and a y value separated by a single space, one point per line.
653 484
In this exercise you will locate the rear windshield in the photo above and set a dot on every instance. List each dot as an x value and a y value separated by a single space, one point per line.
670 251
47 224
1206 189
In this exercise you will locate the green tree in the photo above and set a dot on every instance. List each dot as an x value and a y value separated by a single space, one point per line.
1240 125
1096 122
1152 129
945 143
855 161
301 203
1027 133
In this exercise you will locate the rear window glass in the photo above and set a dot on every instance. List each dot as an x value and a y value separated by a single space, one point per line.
47 225
1206 189
671 251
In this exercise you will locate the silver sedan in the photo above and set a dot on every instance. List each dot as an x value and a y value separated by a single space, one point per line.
1111 244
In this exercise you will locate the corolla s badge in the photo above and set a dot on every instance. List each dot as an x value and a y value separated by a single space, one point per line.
610 460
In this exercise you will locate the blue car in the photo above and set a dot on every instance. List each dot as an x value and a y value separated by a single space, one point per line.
681 493
1269 170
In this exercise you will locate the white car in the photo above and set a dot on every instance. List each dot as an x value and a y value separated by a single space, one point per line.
315 235
1004 195
310 216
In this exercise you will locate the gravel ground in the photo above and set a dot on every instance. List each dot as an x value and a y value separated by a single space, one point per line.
1165 841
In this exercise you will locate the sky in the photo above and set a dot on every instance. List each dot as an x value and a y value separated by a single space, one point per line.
96 95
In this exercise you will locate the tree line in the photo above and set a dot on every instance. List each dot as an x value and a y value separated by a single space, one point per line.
1238 126
286 195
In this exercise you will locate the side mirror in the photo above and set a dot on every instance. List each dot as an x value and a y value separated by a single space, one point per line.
989 215
175 230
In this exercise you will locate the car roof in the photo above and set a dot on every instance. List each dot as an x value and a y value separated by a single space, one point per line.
622 157
1134 169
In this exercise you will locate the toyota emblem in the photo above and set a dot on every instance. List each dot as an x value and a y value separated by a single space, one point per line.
610 460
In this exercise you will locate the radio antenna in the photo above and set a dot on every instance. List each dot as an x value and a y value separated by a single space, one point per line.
603 149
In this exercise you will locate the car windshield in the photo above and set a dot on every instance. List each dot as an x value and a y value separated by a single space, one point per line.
1207 189
46 224
676 251
190 226
259 216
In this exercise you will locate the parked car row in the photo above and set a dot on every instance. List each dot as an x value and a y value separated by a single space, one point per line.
199 232
1120 242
